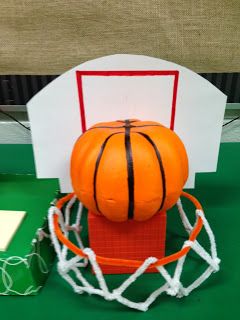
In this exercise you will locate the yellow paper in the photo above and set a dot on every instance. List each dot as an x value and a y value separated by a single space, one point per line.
9 224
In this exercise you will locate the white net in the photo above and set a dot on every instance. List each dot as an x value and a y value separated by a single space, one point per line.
172 286
9 269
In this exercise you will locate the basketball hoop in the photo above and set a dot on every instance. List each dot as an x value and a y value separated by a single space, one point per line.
60 229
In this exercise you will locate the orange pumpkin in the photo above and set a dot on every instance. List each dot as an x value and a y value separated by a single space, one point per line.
128 169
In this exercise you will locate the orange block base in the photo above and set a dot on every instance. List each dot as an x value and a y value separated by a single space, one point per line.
127 240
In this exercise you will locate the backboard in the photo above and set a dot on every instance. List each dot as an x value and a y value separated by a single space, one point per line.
121 87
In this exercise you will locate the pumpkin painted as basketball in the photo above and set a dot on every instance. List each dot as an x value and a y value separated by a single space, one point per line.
128 169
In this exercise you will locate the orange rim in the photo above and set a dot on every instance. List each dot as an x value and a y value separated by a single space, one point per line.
125 262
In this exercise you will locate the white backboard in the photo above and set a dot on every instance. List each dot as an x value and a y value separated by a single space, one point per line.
121 87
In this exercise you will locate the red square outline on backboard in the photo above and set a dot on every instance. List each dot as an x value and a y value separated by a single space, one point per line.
128 73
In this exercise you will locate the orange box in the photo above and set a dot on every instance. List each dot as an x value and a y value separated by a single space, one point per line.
127 240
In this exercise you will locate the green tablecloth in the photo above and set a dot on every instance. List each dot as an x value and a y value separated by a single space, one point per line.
218 298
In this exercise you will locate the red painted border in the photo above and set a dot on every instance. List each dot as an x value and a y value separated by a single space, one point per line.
81 101
128 73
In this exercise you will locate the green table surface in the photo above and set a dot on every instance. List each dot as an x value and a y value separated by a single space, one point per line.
26 193
218 298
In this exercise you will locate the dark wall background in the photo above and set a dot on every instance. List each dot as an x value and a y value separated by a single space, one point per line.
17 90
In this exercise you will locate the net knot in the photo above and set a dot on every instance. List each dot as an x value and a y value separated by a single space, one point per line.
174 287
215 264
62 268
73 227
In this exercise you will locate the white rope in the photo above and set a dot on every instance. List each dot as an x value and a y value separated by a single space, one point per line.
133 277
26 261
173 285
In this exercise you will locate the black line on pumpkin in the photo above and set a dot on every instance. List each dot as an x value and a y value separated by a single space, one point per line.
128 149
160 166
145 125
105 127
148 125
129 121
103 146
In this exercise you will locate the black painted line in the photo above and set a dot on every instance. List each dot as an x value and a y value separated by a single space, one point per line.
128 149
160 166
103 146
148 125
106 127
